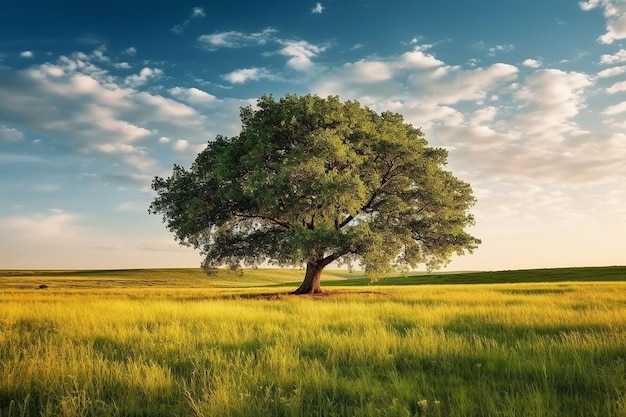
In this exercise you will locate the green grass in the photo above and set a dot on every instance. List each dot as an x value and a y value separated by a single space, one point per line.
178 343
590 274
256 278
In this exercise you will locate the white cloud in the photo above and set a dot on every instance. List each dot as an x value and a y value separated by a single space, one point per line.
184 146
131 50
198 12
99 55
619 56
531 121
612 72
233 39
615 14
192 95
10 135
417 85
164 139
551 98
318 8
370 71
143 77
165 107
141 161
181 145
84 84
54 225
419 59
617 87
300 54
65 83
53 71
589 5
105 120
115 148
616 109
531 63
244 75
27 54
483 115
86 111
450 85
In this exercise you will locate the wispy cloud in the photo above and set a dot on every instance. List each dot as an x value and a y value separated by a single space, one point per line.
243 75
10 135
115 148
370 71
234 39
27 54
551 99
196 13
299 53
612 72
494 50
617 88
318 9
192 95
49 226
616 109
146 74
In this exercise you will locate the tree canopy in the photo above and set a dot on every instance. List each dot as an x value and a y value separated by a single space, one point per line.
313 180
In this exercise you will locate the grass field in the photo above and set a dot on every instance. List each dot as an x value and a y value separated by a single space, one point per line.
178 343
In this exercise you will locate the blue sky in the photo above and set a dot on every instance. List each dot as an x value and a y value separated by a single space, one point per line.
96 98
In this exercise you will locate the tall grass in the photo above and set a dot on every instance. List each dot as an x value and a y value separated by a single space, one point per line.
556 349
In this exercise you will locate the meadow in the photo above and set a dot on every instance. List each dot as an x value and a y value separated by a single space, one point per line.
178 343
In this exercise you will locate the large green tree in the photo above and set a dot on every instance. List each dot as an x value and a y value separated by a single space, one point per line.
313 180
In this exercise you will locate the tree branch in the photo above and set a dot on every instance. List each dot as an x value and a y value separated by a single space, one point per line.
387 177
351 217
331 258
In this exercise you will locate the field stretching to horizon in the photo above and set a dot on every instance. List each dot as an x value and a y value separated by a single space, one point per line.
175 342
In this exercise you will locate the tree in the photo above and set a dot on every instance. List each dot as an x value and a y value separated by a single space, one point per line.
312 181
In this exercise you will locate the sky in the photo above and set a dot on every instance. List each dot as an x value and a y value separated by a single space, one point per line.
98 98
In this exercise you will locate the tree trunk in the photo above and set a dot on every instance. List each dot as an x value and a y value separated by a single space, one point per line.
311 283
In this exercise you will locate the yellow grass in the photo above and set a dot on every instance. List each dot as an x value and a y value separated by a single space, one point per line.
154 346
